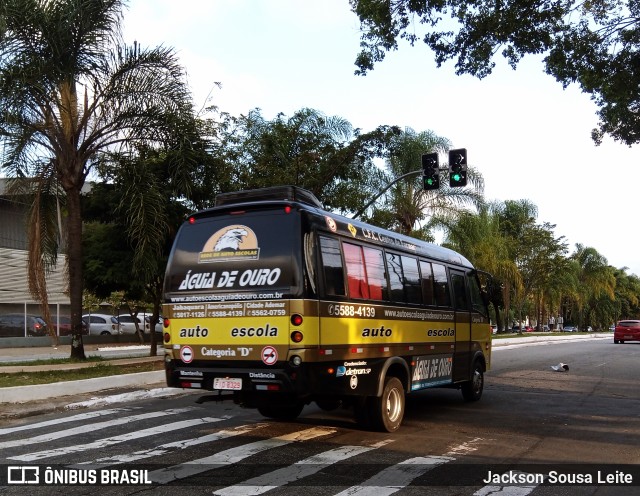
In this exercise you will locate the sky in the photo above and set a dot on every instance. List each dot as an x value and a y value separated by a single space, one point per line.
529 137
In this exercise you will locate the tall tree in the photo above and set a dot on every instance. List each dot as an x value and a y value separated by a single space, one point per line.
72 92
594 276
479 238
323 154
594 44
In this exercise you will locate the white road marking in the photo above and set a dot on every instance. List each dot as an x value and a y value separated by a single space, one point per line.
163 449
233 455
57 422
297 471
83 429
110 441
395 477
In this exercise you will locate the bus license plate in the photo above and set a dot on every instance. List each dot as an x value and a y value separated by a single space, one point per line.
227 383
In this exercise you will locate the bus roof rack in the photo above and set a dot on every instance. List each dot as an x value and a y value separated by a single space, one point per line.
291 193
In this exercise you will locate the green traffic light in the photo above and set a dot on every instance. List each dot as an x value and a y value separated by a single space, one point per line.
456 178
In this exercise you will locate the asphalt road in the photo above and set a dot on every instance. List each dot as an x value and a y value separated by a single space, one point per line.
532 421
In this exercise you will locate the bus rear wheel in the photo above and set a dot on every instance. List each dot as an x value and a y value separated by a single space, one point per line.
472 389
281 412
388 409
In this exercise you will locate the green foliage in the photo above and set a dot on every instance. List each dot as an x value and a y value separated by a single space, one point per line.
72 95
322 154
593 44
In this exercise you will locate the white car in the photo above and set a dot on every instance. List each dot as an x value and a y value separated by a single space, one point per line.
128 325
101 324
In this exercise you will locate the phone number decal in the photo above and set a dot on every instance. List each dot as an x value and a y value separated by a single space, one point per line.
339 310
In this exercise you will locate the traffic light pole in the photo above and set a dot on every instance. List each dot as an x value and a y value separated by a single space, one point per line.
382 192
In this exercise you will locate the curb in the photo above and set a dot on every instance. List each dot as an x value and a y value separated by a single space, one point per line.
25 394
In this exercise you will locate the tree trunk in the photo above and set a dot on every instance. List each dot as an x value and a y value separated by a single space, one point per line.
74 261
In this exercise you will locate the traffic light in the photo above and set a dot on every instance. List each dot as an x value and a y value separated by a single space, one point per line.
458 167
431 171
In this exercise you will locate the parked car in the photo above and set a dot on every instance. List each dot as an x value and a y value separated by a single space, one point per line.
13 325
62 325
147 320
128 326
127 323
627 330
570 328
101 324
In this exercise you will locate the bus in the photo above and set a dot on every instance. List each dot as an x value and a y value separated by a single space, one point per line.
274 302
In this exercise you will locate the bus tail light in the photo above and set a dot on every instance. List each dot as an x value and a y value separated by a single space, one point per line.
296 336
296 319
166 322
167 337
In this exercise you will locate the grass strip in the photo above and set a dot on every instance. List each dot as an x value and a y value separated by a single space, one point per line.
98 370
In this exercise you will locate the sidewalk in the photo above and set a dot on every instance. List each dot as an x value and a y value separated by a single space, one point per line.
54 392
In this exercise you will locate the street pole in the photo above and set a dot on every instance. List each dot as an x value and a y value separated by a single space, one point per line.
363 209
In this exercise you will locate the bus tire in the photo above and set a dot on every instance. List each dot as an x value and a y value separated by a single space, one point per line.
472 389
281 412
388 409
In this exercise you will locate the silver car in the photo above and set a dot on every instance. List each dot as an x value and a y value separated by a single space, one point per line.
101 324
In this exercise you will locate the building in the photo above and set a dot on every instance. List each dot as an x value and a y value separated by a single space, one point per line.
14 287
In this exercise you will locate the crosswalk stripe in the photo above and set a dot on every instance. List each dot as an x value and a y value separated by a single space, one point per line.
110 441
56 422
297 471
163 449
52 436
233 455
394 478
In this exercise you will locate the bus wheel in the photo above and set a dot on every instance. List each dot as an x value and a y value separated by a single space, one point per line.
389 408
472 389
281 412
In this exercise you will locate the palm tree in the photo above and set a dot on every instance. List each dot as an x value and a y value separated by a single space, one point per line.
479 238
406 204
594 275
72 93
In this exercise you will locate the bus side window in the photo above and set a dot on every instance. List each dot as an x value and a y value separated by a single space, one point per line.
374 263
412 286
365 272
332 264
427 283
396 288
477 302
460 291
441 283
356 276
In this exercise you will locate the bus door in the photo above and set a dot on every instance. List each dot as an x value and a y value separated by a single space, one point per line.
462 307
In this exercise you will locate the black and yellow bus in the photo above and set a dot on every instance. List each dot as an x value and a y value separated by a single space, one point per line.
276 302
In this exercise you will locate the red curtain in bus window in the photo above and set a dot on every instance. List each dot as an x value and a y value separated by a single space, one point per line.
356 276
374 263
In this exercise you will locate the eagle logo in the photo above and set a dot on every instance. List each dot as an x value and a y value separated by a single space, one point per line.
230 240
235 242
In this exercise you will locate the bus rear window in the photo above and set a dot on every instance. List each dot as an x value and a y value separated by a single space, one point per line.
257 252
